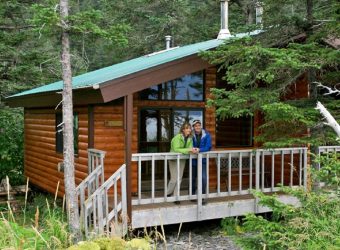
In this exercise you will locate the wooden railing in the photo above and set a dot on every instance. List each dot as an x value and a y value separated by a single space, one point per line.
325 150
93 181
95 159
236 172
106 209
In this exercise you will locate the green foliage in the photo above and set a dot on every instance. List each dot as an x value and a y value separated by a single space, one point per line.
329 173
112 244
11 145
47 230
231 226
262 74
312 225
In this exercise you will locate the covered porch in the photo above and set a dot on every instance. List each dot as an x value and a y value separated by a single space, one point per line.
231 177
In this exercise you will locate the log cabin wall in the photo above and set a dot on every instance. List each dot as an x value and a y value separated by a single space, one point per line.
41 158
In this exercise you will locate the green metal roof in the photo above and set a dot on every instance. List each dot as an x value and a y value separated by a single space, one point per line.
115 71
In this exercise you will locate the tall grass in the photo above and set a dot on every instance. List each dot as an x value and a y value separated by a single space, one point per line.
36 226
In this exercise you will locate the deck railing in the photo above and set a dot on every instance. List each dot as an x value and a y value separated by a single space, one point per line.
233 172
325 150
105 210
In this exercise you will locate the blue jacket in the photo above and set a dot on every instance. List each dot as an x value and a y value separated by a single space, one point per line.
204 146
205 143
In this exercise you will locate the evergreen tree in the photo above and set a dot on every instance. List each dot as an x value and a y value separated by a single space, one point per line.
264 69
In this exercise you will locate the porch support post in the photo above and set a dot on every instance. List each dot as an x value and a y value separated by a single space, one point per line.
257 178
128 115
199 187
305 171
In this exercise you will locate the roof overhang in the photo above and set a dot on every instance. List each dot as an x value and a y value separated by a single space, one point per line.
51 99
114 89
133 83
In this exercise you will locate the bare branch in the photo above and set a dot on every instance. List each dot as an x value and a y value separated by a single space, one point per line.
330 90
330 121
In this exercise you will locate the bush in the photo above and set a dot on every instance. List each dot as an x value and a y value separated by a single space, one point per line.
11 145
312 225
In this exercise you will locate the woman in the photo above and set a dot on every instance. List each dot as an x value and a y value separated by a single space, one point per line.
181 143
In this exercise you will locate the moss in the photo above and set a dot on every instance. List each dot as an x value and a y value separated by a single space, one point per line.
140 244
111 243
85 245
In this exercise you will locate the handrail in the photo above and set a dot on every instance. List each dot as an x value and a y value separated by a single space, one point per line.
100 210
95 158
326 149
243 170
88 186
93 181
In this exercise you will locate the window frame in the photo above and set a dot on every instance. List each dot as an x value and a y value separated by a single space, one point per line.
59 140
220 83
172 100
172 112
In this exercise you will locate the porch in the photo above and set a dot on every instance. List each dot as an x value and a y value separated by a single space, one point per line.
231 175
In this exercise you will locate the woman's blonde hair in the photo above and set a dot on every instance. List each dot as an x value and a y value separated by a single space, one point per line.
185 125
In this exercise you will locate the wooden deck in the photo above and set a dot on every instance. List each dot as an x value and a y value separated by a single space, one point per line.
170 213
228 193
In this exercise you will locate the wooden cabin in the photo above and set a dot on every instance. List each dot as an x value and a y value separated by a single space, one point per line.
130 111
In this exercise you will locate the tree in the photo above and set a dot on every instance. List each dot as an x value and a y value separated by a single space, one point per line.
264 69
68 152
79 22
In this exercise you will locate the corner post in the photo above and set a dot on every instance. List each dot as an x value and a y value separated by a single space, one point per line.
199 186
128 115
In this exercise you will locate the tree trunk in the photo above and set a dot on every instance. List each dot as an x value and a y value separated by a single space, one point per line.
71 198
309 4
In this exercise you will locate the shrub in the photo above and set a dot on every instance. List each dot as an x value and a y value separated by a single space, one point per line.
312 225
11 145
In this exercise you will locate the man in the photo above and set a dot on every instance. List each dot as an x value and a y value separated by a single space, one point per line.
201 143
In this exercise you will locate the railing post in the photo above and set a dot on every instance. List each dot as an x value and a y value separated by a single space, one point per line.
305 151
257 178
257 170
124 202
199 186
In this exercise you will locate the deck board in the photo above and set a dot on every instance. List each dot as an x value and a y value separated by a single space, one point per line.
170 213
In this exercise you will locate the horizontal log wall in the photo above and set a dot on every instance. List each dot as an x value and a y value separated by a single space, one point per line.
109 136
41 158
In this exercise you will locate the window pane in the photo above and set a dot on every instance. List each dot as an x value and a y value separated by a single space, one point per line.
189 87
75 132
181 116
186 88
59 132
234 132
150 93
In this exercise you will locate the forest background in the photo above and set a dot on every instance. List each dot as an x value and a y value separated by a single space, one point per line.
30 52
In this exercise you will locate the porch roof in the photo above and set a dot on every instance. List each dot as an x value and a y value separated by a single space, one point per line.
97 79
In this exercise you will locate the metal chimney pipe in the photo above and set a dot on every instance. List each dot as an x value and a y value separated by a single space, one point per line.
259 12
224 32
167 42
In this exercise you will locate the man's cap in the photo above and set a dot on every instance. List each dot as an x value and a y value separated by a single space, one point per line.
195 122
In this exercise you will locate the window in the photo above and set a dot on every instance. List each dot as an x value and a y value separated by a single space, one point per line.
59 132
158 126
232 132
186 88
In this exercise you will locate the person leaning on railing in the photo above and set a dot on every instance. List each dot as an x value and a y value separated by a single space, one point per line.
180 143
201 143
